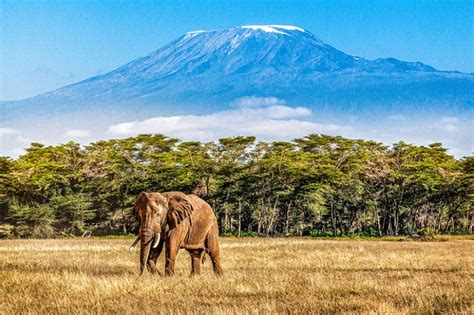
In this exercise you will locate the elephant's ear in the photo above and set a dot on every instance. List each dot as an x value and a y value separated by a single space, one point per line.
179 209
140 202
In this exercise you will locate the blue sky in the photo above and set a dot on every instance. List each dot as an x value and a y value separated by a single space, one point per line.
47 44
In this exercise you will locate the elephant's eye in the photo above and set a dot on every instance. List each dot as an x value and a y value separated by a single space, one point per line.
157 208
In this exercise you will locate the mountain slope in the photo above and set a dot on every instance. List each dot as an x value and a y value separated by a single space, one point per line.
210 69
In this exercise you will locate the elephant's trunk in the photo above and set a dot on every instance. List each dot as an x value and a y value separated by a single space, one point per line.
145 245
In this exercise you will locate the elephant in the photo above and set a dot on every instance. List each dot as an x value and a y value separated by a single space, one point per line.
176 220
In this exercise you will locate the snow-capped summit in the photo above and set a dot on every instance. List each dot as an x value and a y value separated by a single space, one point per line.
274 28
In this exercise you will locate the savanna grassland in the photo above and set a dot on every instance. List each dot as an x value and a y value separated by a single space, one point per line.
263 275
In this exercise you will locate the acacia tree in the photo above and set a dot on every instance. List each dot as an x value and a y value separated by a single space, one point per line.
35 179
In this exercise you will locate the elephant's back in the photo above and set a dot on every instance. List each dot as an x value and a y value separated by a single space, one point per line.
200 205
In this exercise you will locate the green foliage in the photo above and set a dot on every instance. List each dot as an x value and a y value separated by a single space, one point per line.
30 221
426 232
72 212
320 233
318 185
242 234
6 230
249 234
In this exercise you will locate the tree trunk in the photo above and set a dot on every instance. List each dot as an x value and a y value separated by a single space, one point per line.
240 218
387 223
124 222
287 220
470 223
226 219
379 224
397 209
333 219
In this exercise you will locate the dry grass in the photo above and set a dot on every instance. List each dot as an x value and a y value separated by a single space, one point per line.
261 276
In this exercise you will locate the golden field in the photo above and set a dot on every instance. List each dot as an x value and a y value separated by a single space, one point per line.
275 275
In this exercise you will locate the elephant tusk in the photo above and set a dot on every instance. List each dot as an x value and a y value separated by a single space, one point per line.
134 243
157 240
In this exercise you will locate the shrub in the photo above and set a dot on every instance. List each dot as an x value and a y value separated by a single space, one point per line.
227 234
6 230
32 221
426 232
320 233
248 234
242 234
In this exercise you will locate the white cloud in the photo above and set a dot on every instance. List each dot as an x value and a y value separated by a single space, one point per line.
7 131
450 128
450 124
454 133
265 120
255 101
12 142
77 133
275 112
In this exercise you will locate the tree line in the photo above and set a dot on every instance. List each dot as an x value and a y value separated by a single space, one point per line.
318 185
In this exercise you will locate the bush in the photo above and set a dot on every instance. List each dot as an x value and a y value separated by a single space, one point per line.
248 234
457 231
6 230
426 232
227 234
320 233
32 221
242 234
369 233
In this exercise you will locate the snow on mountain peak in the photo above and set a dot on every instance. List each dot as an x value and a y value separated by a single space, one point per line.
274 28
265 28
193 33
288 27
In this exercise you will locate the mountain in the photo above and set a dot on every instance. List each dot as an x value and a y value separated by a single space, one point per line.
208 70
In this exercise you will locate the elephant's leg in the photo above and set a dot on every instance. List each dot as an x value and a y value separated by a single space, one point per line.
195 261
212 248
152 268
171 252
154 255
